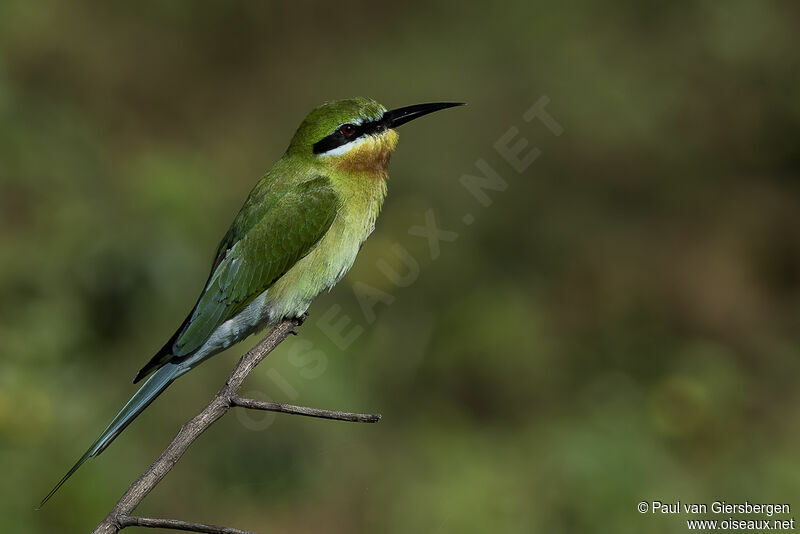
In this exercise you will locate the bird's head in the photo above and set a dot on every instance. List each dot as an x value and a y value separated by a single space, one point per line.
355 134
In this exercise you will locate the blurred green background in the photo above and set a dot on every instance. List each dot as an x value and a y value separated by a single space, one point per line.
621 324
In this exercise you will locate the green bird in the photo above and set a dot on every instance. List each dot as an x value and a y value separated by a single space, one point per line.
296 236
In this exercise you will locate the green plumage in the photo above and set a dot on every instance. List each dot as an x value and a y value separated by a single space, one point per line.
258 251
286 214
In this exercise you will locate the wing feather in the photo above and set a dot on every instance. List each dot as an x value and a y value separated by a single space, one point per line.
285 234
261 246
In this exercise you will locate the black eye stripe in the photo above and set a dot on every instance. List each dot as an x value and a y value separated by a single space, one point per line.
337 138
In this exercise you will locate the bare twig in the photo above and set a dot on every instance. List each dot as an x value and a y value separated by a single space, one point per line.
119 517
304 410
176 524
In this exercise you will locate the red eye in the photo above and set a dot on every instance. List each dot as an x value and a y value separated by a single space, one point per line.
347 129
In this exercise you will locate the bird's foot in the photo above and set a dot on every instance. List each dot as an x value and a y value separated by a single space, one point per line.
298 321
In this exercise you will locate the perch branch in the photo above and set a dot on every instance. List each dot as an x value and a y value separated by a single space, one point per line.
120 515
176 524
304 410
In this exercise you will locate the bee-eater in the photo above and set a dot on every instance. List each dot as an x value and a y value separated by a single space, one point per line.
297 234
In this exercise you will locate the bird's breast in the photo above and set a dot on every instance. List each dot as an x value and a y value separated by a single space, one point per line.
332 257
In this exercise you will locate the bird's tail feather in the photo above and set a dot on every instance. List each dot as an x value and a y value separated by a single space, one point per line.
154 385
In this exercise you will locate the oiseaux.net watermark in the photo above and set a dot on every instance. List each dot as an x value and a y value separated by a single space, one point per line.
723 515
403 269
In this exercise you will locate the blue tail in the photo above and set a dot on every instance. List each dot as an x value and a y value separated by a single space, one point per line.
151 389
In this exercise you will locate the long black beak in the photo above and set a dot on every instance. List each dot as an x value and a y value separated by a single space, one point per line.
395 117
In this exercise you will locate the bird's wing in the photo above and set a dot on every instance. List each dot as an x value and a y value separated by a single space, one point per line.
263 243
284 235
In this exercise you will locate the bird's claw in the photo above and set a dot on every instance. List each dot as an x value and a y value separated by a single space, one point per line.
298 321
